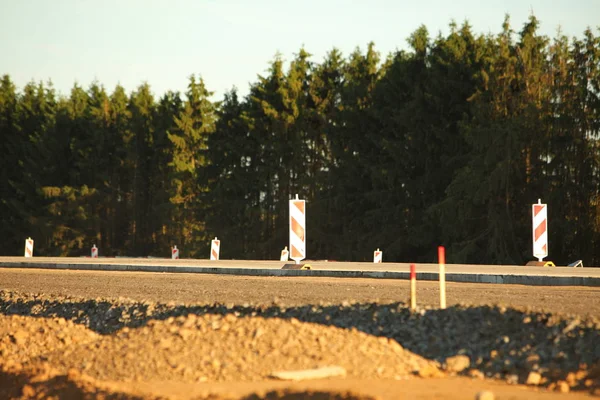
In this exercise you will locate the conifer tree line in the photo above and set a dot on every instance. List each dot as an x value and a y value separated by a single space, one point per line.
449 142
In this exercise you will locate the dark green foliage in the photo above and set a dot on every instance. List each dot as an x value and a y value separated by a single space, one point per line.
447 143
187 159
12 223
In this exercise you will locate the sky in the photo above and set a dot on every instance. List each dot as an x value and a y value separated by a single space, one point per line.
230 42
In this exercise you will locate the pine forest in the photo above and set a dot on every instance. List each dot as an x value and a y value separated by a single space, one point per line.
446 143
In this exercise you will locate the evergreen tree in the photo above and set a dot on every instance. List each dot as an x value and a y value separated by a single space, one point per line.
11 169
323 118
446 143
143 109
163 236
37 114
354 146
121 178
270 118
192 128
505 133
231 178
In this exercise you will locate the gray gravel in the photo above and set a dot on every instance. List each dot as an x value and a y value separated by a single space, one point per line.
503 343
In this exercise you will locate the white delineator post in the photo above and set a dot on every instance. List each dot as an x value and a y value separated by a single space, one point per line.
29 247
413 287
174 253
284 254
442 262
94 251
539 214
297 230
377 256
215 249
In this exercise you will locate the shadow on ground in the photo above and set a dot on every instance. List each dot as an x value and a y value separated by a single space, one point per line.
500 342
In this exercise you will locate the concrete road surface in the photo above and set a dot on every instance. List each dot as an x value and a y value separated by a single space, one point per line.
507 274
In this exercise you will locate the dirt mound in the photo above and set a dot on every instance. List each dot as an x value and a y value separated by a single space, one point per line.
206 348
500 342
23 338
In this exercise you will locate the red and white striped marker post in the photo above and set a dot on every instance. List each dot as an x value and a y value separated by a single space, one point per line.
377 256
174 252
284 254
215 249
297 230
539 214
442 262
413 287
94 251
29 247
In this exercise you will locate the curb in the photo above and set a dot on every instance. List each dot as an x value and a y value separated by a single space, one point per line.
529 280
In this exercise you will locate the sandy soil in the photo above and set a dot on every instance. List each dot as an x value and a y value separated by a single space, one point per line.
72 335
202 288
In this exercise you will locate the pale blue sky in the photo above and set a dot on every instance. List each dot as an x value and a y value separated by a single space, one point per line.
229 42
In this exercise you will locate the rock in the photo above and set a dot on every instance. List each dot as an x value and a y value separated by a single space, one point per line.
73 374
588 383
485 395
457 364
19 337
316 373
477 374
66 340
562 387
534 378
430 371
185 333
571 379
258 333
532 361
28 391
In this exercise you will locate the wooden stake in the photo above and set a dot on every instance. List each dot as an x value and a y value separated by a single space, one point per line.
413 287
317 373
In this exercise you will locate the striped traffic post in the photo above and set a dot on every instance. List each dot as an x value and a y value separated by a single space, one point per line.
215 249
284 254
377 256
297 230
29 247
539 214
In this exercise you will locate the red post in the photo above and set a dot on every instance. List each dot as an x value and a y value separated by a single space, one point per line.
442 255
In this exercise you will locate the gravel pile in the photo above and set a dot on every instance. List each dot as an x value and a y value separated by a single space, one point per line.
369 340
25 338
227 348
